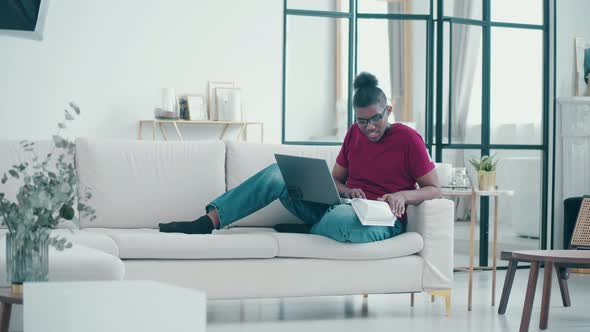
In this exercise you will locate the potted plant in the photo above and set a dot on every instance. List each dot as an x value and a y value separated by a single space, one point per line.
48 194
486 172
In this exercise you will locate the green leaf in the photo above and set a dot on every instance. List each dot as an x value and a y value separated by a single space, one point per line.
75 107
57 139
66 212
14 174
61 125
4 179
68 116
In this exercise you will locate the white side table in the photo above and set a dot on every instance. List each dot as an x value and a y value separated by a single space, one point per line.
97 306
474 193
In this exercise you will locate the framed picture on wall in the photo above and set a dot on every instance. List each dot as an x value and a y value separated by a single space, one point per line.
196 107
212 96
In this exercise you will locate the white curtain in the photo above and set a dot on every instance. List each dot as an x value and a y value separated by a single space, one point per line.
465 50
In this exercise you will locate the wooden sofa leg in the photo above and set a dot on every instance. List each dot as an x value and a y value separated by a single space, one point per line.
446 293
411 299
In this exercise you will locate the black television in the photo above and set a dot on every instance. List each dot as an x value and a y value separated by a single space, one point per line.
23 18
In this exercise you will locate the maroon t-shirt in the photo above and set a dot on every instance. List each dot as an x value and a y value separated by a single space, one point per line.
390 165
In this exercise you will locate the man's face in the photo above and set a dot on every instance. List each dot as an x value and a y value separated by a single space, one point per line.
372 120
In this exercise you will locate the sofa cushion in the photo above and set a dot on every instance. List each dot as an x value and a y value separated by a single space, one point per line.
317 246
87 239
138 184
84 238
247 159
151 244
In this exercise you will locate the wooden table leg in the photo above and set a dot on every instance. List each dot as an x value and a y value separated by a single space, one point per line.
5 318
530 297
178 131
411 299
507 286
242 127
140 127
494 248
562 282
546 299
223 132
471 249
163 131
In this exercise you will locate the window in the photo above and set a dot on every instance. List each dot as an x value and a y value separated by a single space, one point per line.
474 79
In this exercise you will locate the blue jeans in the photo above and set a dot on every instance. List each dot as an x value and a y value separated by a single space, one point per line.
338 222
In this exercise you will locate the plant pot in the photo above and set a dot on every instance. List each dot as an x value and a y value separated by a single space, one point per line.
27 257
486 181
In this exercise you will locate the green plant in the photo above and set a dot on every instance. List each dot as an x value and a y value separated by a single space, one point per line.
485 164
49 190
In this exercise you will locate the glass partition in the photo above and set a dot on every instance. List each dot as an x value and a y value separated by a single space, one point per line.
316 86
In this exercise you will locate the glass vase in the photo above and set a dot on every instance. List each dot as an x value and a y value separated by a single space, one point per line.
27 257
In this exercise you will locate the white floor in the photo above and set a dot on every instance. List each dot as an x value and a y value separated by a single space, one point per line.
392 312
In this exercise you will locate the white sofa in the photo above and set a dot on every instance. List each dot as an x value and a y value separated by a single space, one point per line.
137 184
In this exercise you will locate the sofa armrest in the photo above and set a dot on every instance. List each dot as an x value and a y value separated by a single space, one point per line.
434 220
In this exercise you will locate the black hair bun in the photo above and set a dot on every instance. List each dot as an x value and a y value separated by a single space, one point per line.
365 80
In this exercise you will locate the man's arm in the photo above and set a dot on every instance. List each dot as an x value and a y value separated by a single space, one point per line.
340 174
429 189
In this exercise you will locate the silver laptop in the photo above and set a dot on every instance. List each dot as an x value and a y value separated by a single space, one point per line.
309 179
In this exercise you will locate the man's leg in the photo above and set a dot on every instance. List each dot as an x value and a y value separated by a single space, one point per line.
252 195
340 223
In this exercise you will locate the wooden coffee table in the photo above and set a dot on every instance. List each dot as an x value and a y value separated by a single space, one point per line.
7 299
549 258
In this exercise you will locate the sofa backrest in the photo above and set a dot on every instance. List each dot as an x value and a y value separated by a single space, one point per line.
246 159
137 184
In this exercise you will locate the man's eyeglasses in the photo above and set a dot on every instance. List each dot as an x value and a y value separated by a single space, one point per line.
373 120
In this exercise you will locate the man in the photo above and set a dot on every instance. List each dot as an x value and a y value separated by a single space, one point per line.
377 161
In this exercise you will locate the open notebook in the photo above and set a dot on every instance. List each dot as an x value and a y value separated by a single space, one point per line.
373 213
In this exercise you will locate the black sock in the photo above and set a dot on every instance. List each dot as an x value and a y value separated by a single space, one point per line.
292 228
202 225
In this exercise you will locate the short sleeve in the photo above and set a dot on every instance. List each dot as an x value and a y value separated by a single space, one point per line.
419 160
342 158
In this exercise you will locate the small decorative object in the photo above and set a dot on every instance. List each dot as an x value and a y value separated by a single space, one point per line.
196 107
183 112
168 100
459 178
582 66
444 173
48 194
486 172
229 104
165 115
212 96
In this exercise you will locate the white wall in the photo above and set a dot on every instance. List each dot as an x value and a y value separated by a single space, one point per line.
112 58
571 23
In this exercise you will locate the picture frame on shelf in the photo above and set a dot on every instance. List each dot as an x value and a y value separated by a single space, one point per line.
582 55
229 104
196 107
183 108
212 96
